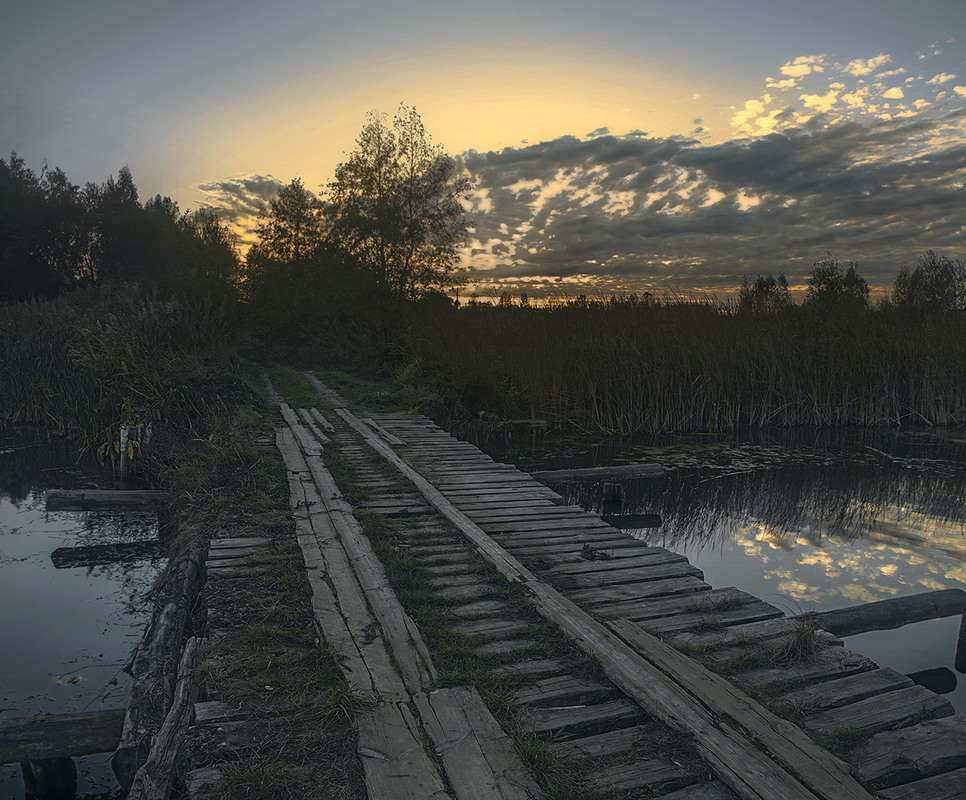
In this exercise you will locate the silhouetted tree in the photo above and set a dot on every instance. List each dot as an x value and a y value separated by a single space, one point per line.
44 235
831 289
767 295
937 285
394 205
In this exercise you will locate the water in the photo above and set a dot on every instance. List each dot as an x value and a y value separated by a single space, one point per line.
65 634
806 520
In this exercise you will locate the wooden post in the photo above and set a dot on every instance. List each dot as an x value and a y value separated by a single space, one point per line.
49 779
125 432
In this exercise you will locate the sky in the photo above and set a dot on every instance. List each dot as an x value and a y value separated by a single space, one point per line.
614 146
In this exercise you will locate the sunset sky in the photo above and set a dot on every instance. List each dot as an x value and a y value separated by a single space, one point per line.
616 145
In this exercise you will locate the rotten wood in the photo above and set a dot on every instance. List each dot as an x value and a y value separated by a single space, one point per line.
98 555
155 778
106 500
60 735
154 670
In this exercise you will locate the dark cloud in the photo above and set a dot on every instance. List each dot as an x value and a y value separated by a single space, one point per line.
636 212
238 200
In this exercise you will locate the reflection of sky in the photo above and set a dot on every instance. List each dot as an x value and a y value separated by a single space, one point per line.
809 522
65 634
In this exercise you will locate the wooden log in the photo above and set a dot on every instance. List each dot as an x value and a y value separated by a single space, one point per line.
60 735
625 472
100 554
892 613
155 665
154 779
106 500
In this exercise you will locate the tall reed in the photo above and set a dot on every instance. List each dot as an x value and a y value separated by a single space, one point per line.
677 364
97 357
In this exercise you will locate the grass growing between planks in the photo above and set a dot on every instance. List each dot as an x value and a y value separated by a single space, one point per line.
296 739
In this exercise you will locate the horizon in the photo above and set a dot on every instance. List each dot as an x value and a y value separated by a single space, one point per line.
614 149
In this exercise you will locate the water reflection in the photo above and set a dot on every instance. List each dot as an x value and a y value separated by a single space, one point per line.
806 520
68 623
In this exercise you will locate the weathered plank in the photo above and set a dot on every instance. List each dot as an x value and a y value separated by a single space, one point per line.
564 689
948 786
642 773
655 608
106 499
842 691
920 751
394 440
585 566
713 790
752 611
890 710
678 569
572 721
313 425
599 745
100 554
828 663
394 761
824 774
60 735
478 757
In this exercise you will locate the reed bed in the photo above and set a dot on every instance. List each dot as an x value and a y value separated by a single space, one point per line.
623 366
79 365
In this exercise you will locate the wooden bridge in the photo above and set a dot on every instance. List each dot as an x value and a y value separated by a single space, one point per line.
755 693
753 703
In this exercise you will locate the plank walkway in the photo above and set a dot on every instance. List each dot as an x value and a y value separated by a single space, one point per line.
745 683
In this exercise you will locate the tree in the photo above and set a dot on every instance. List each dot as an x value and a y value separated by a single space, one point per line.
767 295
394 205
292 227
831 289
936 286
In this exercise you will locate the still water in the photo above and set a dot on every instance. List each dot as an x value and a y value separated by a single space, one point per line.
66 632
806 520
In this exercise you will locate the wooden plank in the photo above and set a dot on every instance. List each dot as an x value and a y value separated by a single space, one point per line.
819 770
826 664
600 745
564 690
645 773
679 569
309 420
343 608
60 735
321 420
478 757
636 591
571 721
655 608
491 627
395 441
400 632
106 499
749 612
585 566
842 691
394 762
553 552
921 751
889 710
746 770
713 790
948 786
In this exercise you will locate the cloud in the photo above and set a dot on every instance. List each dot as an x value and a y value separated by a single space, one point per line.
942 77
931 52
243 197
860 67
960 90
802 66
643 214
895 93
821 103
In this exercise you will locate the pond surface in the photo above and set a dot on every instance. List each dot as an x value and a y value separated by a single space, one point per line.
806 520
66 633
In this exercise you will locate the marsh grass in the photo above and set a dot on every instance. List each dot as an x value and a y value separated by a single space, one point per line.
627 365
80 365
